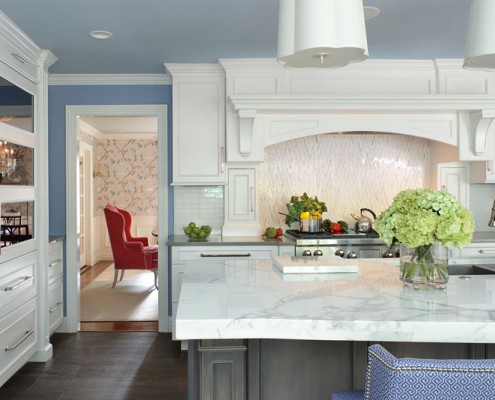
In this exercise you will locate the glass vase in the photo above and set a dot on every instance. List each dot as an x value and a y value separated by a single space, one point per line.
424 266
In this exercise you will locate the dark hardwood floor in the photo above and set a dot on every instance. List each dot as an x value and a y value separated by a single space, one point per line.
105 361
104 366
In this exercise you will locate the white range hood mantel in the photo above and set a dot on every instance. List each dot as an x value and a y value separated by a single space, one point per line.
460 120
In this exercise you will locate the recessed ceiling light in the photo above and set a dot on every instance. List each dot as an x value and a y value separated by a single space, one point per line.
100 34
370 12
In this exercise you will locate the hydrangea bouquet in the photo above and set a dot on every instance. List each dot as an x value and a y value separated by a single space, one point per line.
418 218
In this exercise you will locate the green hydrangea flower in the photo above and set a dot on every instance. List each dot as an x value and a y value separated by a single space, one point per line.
419 217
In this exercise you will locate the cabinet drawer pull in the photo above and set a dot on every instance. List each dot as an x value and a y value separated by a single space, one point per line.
55 307
25 279
487 251
225 255
12 347
55 263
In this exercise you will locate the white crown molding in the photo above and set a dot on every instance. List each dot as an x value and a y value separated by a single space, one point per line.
10 32
109 79
370 64
292 103
193 69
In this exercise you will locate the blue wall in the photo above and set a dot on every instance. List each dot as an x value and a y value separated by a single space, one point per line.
60 96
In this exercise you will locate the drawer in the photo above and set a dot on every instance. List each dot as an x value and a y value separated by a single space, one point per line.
55 269
18 281
55 261
481 251
55 305
17 339
185 253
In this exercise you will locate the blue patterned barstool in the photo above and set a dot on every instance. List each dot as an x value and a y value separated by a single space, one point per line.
352 395
391 378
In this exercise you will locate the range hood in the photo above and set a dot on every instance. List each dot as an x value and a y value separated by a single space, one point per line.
464 121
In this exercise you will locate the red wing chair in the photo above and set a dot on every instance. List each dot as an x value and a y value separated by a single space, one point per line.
128 252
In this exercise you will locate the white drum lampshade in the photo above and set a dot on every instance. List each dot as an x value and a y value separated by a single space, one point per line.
321 33
480 39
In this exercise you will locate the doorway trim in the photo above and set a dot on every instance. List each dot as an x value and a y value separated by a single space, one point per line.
72 275
86 151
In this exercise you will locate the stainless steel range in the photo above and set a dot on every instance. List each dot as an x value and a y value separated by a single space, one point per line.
346 245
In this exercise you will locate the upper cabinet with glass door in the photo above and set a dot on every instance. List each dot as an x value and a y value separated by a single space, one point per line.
16 135
16 106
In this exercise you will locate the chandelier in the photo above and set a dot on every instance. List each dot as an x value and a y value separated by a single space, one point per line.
321 33
7 160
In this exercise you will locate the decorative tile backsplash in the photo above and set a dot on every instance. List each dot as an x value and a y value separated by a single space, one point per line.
129 175
346 171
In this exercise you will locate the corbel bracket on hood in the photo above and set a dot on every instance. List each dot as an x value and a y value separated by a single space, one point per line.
246 131
479 110
480 123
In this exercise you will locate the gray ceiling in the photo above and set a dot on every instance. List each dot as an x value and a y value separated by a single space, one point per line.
148 33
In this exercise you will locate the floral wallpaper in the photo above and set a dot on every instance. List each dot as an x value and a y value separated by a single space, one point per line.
129 175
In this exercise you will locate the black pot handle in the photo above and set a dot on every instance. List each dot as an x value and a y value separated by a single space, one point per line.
370 211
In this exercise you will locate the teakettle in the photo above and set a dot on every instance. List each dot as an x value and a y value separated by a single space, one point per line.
363 223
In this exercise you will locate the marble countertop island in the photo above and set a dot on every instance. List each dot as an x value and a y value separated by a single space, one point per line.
233 299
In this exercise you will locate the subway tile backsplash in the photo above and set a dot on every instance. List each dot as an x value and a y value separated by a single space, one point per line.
201 204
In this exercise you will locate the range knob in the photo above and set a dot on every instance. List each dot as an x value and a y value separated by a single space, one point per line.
318 252
306 253
388 254
351 255
339 253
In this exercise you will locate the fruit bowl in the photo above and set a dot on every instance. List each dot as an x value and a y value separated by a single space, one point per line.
195 232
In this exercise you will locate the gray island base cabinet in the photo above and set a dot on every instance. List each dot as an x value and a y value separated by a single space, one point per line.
255 334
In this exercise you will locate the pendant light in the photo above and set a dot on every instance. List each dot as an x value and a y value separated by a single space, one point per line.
480 40
321 33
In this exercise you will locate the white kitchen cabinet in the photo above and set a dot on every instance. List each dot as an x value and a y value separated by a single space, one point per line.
23 256
473 253
241 194
18 313
287 250
198 128
453 177
241 203
482 172
55 285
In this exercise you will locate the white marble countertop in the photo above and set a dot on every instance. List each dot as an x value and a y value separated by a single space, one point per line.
252 299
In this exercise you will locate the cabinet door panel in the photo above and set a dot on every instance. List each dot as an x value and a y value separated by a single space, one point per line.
198 125
454 179
199 155
241 195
